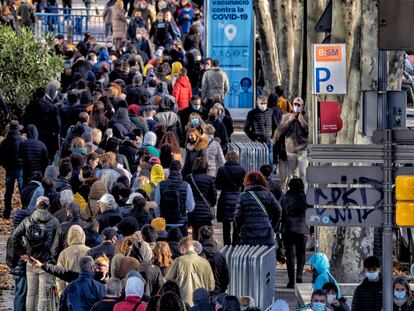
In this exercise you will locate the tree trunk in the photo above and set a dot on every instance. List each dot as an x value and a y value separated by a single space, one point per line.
395 70
268 47
297 70
285 41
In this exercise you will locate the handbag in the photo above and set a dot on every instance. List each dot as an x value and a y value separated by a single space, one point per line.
211 208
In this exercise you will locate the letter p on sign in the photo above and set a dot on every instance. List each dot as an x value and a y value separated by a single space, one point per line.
329 69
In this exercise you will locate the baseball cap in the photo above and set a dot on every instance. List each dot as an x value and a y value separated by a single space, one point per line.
107 198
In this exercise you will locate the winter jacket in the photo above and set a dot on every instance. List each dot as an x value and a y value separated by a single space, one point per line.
108 219
221 131
102 58
320 264
215 156
27 193
218 266
215 81
185 22
254 226
404 307
202 214
62 184
135 23
191 271
33 153
121 125
295 134
194 41
293 212
162 33
368 296
106 248
182 92
119 23
173 238
82 294
130 151
106 304
185 115
186 194
260 125
194 151
48 249
153 277
139 124
129 303
27 13
69 257
9 151
229 180
107 14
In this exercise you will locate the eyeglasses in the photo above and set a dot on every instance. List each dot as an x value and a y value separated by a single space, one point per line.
99 264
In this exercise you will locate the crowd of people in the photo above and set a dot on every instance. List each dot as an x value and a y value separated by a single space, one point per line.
123 165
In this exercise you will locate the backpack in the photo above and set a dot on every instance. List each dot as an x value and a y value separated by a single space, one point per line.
36 238
171 204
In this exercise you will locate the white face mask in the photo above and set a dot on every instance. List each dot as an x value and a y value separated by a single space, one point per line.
297 109
109 44
331 298
262 107
372 276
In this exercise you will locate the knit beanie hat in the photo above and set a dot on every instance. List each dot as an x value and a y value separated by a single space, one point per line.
128 226
201 295
158 224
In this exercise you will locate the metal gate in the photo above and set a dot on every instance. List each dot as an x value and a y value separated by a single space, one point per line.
252 154
252 272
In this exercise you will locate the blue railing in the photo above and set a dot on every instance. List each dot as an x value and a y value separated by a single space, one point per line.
74 22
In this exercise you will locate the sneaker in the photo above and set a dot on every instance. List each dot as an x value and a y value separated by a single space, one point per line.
290 285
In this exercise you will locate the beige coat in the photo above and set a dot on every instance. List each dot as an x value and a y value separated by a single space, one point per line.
69 257
119 23
191 272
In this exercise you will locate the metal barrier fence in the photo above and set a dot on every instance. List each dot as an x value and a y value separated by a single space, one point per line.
72 23
252 272
252 155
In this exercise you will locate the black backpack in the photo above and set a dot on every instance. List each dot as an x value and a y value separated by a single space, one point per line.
36 238
171 204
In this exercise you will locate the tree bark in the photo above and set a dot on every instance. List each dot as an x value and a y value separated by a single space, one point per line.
395 70
297 70
268 47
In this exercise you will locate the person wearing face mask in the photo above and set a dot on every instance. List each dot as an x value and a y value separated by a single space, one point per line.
319 301
293 132
135 23
335 303
162 33
145 13
195 107
368 295
221 131
403 297
260 125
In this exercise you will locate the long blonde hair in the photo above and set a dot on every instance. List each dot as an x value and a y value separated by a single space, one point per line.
162 255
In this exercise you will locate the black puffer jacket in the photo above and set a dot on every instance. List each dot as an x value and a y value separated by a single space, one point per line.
202 213
253 226
293 212
404 307
260 125
27 192
33 153
368 296
130 151
229 180
218 265
9 148
49 248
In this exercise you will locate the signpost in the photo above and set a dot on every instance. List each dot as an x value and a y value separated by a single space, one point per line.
330 117
344 217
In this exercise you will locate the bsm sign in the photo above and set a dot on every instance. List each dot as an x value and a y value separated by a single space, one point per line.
329 69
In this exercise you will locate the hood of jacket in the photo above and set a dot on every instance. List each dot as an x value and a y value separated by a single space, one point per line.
121 116
161 89
76 235
319 262
168 118
157 174
184 82
41 215
32 132
103 55
175 68
150 139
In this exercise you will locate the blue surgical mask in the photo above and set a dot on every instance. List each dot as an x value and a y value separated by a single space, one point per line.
372 276
195 122
318 306
400 295
196 107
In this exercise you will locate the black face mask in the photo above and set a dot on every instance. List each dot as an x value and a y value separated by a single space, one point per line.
192 140
99 275
196 17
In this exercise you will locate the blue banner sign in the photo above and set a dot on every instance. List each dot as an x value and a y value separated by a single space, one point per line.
230 40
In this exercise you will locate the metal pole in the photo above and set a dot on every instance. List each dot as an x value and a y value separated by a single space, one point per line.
382 90
387 260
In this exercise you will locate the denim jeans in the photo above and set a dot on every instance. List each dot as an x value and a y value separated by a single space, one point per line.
295 165
37 296
20 290
269 145
11 177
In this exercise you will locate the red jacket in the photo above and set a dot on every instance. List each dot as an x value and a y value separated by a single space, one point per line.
182 92
129 303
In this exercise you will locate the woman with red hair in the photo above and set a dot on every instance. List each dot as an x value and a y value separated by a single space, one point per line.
258 213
